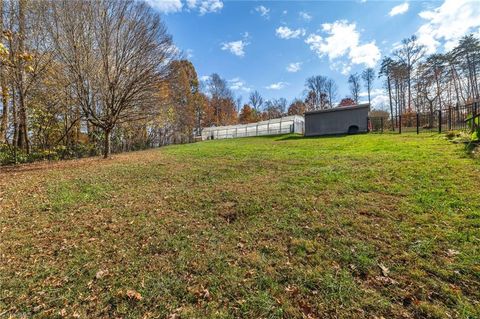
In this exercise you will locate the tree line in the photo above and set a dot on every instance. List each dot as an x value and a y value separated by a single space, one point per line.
419 82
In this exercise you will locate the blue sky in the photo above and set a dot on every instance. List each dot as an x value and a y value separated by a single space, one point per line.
273 46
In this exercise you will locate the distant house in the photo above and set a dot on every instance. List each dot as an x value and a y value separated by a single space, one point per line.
340 120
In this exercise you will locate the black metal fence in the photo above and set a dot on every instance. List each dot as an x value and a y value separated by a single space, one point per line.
463 117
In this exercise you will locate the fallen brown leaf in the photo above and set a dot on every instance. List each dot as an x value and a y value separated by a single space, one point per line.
132 294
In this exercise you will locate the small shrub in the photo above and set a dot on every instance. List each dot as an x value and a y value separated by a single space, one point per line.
8 156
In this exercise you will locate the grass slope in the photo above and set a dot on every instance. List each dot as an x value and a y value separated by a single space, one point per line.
271 227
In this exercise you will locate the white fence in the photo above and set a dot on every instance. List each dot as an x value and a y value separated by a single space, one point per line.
284 125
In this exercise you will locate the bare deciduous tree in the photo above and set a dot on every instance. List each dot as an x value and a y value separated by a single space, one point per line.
409 54
256 100
332 91
116 53
317 85
368 75
385 70
354 84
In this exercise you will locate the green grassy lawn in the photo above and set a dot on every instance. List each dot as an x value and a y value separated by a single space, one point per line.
274 227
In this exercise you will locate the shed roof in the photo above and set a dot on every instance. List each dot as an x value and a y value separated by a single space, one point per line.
340 108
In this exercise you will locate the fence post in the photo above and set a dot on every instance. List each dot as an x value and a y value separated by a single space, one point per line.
268 127
439 121
474 114
381 123
256 130
400 124
449 117
418 123
456 115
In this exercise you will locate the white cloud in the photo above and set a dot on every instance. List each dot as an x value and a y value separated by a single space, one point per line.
276 86
373 92
287 33
380 102
166 6
366 54
343 41
171 6
294 67
207 6
447 23
204 6
305 16
316 43
235 47
237 84
263 11
379 98
400 9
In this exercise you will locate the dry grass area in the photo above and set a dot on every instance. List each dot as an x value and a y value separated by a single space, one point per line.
276 227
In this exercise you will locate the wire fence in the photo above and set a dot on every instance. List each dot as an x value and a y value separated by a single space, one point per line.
462 117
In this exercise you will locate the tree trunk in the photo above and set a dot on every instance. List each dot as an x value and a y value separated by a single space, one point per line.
369 88
409 88
4 120
430 122
390 101
23 141
15 119
4 90
107 150
439 94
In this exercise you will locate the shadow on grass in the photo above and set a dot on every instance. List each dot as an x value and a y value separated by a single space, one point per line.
289 137
298 136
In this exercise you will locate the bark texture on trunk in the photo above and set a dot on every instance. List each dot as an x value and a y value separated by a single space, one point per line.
107 147
4 91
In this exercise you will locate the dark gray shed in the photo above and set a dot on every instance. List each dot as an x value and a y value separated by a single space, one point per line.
340 120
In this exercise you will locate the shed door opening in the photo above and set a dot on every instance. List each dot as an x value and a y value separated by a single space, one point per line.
353 129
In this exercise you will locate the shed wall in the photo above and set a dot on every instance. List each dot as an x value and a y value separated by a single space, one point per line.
336 122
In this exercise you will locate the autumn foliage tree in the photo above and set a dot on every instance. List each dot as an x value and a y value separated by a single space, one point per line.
221 108
247 115
296 108
347 102
184 97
